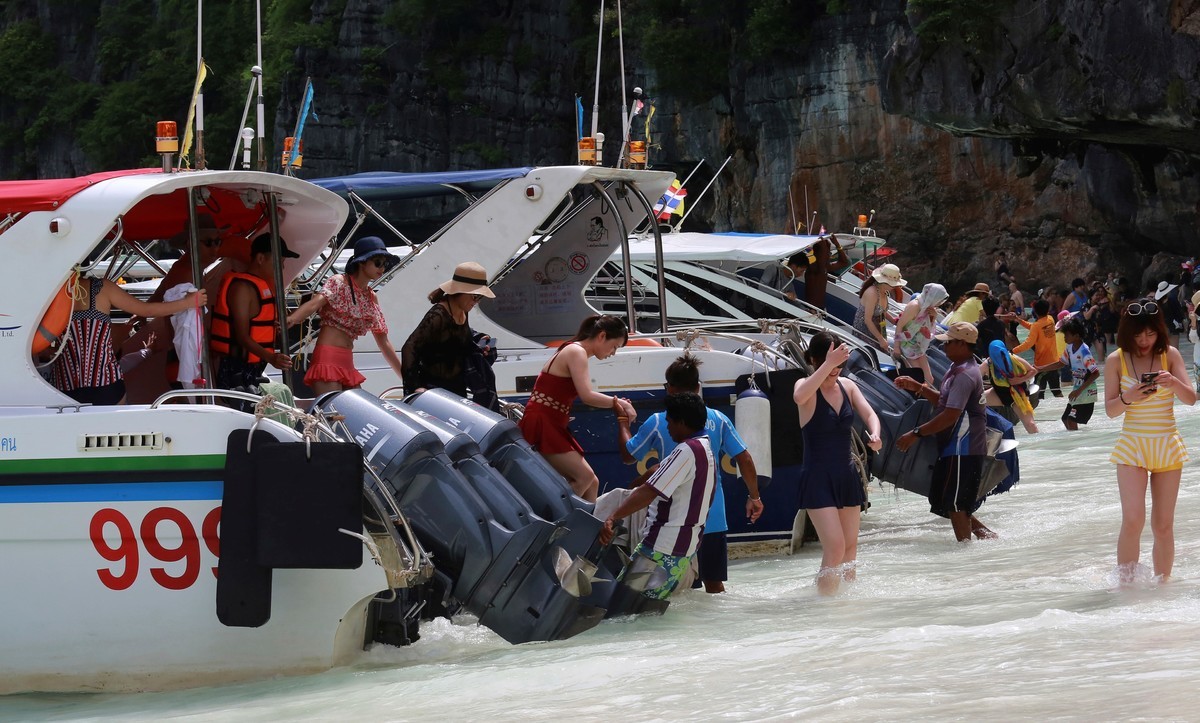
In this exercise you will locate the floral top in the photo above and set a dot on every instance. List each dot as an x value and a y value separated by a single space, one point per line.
350 308
913 338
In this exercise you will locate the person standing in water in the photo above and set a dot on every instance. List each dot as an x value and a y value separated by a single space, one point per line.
831 491
564 379
960 423
1081 402
654 438
1142 379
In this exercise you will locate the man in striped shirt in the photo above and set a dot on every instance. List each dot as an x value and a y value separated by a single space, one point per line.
677 496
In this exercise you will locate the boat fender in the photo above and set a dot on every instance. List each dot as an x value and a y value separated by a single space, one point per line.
752 419
54 322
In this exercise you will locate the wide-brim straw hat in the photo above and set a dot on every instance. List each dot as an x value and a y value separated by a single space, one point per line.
982 289
889 274
469 278
1163 289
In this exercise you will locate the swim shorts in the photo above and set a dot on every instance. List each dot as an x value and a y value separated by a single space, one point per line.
955 485
1079 413
673 566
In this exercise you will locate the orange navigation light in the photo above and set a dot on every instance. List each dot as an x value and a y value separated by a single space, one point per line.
166 143
587 151
288 144
862 220
637 154
167 137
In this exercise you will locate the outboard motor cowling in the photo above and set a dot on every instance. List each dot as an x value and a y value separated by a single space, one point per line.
501 442
524 579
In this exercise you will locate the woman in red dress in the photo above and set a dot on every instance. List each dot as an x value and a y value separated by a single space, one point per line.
565 378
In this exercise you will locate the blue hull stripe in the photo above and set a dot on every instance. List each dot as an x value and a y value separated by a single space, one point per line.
116 492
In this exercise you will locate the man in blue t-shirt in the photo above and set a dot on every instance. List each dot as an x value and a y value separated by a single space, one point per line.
683 375
960 423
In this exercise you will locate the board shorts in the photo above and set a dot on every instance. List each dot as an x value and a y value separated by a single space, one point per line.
1078 413
674 566
955 484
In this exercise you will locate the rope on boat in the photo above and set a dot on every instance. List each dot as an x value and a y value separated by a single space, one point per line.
860 455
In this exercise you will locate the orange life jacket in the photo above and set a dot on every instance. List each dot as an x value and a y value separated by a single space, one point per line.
262 326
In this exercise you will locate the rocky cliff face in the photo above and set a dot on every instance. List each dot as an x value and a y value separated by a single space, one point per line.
1065 135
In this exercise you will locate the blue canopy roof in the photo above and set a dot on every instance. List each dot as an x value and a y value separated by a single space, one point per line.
393 185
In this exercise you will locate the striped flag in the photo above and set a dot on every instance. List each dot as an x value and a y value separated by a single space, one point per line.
671 201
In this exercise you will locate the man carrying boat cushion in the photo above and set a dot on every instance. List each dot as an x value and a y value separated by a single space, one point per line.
960 423
242 336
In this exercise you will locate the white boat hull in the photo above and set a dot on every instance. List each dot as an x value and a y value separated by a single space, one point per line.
110 557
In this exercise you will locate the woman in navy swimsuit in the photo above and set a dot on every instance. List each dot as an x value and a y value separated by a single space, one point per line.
831 491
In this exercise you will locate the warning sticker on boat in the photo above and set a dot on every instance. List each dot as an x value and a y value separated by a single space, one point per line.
579 263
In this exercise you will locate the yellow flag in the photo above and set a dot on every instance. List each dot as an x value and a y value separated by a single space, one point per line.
649 115
186 148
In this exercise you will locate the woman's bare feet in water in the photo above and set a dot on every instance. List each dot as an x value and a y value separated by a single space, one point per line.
981 531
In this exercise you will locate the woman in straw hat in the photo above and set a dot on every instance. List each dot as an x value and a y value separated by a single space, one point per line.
564 379
873 304
349 309
969 307
434 356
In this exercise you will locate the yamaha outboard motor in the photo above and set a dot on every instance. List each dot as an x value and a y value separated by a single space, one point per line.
519 580
500 441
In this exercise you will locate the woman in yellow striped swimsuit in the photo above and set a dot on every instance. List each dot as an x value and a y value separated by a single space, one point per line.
1142 378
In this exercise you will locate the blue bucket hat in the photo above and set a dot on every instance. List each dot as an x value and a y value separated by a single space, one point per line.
368 247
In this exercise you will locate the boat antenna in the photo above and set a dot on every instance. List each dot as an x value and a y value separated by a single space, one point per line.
596 98
200 163
710 183
792 211
261 118
625 116
255 73
810 227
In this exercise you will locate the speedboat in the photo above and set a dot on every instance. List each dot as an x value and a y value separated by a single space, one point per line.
164 545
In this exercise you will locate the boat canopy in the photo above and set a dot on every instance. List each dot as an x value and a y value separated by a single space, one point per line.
747 248
47 194
393 185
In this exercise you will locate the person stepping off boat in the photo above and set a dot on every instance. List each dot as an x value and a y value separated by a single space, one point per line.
562 380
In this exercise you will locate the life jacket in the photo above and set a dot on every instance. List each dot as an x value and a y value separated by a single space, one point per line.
262 326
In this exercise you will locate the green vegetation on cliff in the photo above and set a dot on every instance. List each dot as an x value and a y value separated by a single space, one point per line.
112 68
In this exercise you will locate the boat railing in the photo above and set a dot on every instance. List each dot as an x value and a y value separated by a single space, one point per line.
9 220
414 562
118 232
696 337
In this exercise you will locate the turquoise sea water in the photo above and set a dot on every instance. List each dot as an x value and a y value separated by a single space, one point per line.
1028 626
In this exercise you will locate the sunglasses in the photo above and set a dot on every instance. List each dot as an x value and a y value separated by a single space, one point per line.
380 263
1137 308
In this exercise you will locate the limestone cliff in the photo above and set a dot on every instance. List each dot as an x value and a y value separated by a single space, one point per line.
1064 134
